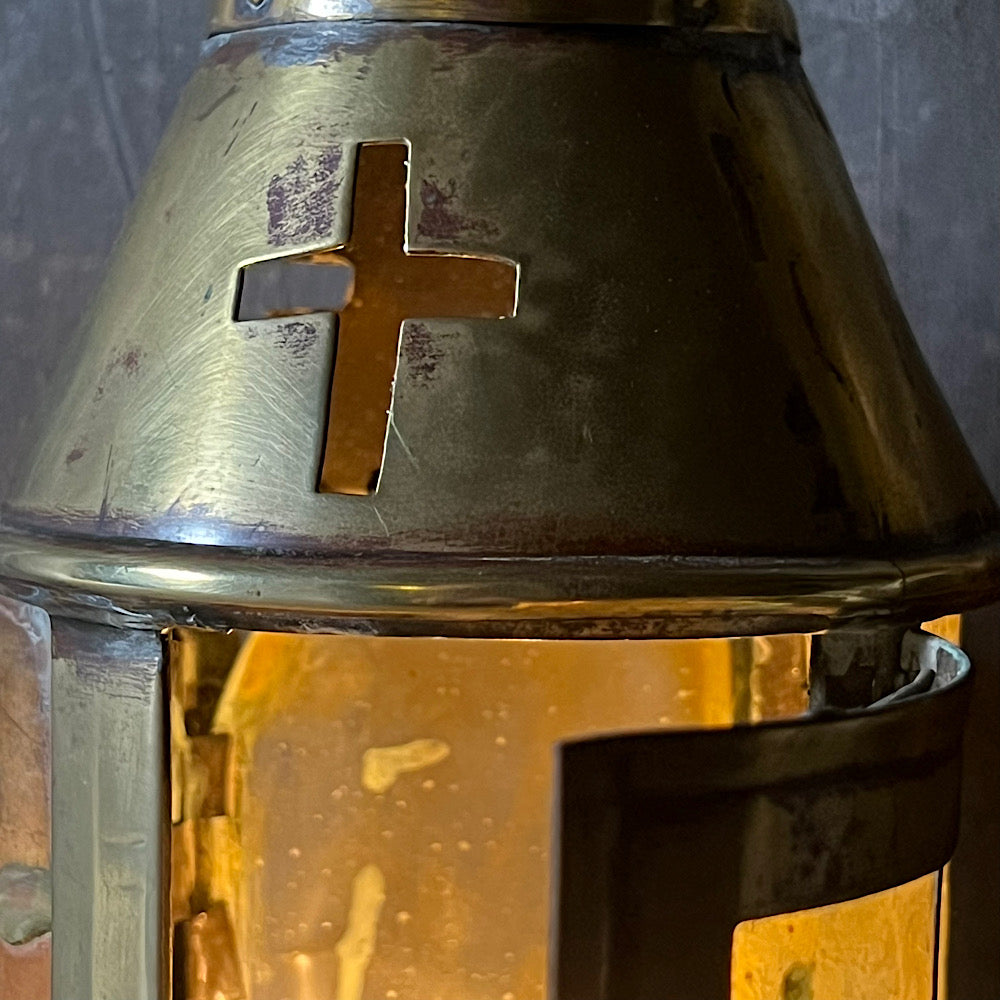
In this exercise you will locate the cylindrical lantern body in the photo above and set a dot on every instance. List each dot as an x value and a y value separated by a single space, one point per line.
481 549
353 816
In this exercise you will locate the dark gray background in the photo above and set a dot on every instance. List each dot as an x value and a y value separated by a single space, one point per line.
911 89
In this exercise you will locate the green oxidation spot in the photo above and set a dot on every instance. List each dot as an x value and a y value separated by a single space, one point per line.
208 294
25 903
798 983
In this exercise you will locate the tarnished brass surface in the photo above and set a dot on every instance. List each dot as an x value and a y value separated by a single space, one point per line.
109 851
709 406
763 16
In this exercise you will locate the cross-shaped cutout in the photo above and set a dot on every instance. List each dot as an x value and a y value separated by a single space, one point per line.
391 284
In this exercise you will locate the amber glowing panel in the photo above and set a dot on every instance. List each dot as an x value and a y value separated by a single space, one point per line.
392 800
878 948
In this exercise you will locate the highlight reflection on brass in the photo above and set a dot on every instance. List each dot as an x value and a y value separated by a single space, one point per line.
391 284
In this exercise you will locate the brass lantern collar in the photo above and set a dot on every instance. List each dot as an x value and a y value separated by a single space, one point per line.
769 17
153 586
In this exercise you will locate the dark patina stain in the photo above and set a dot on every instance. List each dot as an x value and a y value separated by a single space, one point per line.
421 352
126 362
75 455
300 200
798 982
809 319
727 93
129 361
216 104
295 339
441 217
801 420
726 157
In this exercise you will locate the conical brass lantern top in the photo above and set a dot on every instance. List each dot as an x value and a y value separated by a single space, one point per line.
596 342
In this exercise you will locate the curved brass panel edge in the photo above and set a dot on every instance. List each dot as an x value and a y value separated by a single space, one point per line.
155 586
874 793
773 17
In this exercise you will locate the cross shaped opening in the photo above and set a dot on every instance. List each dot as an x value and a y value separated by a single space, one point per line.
377 284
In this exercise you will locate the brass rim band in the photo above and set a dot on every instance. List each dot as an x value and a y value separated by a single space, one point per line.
771 17
158 585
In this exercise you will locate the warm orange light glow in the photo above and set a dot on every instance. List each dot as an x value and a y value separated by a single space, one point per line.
877 948
949 628
393 799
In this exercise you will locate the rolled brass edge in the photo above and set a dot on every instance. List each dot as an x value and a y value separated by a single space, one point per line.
144 585
771 17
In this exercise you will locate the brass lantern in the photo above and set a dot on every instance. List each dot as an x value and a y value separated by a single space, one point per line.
482 548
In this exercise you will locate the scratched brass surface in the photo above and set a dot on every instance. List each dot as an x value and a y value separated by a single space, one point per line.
709 408
392 828
765 16
110 817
